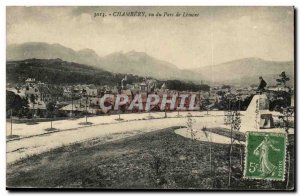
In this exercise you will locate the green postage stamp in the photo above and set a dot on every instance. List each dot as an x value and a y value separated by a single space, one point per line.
265 156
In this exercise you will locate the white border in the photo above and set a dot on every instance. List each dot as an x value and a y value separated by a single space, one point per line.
154 2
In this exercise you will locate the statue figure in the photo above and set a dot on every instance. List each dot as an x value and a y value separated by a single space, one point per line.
262 85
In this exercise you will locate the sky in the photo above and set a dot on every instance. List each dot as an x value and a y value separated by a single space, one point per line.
216 35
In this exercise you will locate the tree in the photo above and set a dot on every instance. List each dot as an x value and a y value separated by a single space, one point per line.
15 105
15 102
50 107
39 113
208 137
122 109
72 97
86 109
235 122
166 112
190 122
283 79
10 99
232 117
226 86
86 112
285 115
287 112
32 100
207 102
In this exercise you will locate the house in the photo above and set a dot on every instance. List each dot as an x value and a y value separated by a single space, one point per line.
163 87
67 91
279 88
91 90
44 93
29 91
29 81
48 93
56 93
143 87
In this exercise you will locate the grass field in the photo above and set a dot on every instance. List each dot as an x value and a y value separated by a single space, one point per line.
155 160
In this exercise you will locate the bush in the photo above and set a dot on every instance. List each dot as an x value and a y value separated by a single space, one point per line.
29 115
99 112
40 113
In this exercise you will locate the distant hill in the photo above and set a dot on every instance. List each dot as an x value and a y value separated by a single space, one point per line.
137 63
238 72
246 71
40 50
57 71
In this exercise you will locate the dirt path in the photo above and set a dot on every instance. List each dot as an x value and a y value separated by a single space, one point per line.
208 137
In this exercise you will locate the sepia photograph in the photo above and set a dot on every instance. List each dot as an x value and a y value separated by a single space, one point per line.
150 98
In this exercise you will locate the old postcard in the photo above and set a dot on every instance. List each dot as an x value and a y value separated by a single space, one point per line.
160 98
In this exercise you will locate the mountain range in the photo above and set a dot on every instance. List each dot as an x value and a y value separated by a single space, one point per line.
247 71
242 71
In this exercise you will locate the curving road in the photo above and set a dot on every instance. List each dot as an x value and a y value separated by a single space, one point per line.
37 141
